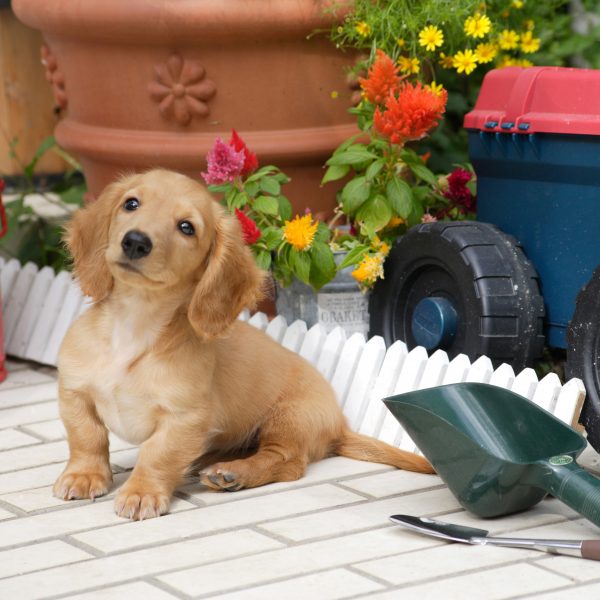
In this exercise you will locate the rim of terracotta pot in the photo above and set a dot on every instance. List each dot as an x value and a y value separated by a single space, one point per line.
133 21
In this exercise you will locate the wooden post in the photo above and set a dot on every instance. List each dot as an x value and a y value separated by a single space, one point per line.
26 100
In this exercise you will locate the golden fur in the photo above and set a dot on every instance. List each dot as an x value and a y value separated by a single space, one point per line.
161 360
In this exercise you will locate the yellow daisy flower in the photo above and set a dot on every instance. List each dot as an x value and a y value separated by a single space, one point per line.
369 269
436 88
334 94
394 222
505 61
431 37
465 62
485 53
529 44
409 65
478 25
522 62
300 232
508 39
529 25
518 3
401 42
446 61
383 247
363 29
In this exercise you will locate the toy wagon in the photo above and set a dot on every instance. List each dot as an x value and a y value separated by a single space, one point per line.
527 271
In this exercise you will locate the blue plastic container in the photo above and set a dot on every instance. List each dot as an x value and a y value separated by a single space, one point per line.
534 141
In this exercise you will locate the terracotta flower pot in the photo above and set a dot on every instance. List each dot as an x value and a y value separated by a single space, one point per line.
148 84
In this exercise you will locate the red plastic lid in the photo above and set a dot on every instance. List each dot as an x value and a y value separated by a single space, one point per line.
538 99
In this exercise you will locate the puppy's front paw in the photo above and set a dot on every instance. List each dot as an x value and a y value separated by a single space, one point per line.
75 484
139 502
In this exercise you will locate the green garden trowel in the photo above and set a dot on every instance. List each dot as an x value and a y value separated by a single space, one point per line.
498 452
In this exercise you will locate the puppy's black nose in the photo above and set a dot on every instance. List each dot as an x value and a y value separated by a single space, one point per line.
136 244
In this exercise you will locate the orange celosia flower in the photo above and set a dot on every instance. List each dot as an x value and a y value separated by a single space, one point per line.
381 79
411 113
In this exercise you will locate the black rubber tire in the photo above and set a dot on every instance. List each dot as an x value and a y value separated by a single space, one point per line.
483 272
583 354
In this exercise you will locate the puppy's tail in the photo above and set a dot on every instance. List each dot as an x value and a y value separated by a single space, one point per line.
361 447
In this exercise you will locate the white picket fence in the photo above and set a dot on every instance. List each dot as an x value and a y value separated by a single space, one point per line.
39 306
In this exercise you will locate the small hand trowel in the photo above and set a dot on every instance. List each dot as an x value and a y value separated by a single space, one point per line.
470 535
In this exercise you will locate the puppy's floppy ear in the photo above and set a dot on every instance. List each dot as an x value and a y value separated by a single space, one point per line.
87 240
231 282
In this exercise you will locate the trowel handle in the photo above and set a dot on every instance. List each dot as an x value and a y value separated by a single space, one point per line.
575 487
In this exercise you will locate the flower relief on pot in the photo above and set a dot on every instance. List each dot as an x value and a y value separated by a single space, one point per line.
181 89
54 77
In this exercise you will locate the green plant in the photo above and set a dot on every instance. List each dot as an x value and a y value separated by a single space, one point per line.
35 235
391 186
288 247
456 43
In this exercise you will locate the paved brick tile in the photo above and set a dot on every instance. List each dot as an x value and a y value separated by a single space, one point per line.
214 518
575 568
30 478
139 590
24 377
67 521
21 415
29 394
11 438
42 498
492 584
39 556
327 585
362 516
392 483
447 559
584 592
115 569
6 514
33 456
293 561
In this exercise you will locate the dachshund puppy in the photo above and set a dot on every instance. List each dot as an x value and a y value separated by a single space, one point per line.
161 359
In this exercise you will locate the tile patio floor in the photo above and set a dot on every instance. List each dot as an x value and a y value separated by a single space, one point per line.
326 536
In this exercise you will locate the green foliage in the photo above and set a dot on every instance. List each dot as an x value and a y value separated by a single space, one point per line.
32 237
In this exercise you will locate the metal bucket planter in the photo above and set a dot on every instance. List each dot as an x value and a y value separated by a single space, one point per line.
338 303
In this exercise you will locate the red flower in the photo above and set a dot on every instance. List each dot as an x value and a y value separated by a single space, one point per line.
249 229
250 160
458 190
411 113
381 79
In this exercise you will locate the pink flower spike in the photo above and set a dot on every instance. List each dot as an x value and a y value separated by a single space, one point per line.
224 163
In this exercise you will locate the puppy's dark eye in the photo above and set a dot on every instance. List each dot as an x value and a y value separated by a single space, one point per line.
131 204
186 228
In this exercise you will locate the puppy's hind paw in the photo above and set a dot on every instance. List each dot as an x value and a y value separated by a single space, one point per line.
220 479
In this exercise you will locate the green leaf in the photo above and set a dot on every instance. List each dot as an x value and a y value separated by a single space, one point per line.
354 194
400 196
263 259
323 233
347 143
422 172
266 204
285 208
74 194
271 237
335 172
46 145
354 155
374 169
322 265
270 185
416 214
251 188
353 257
300 263
375 214
263 172
218 189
